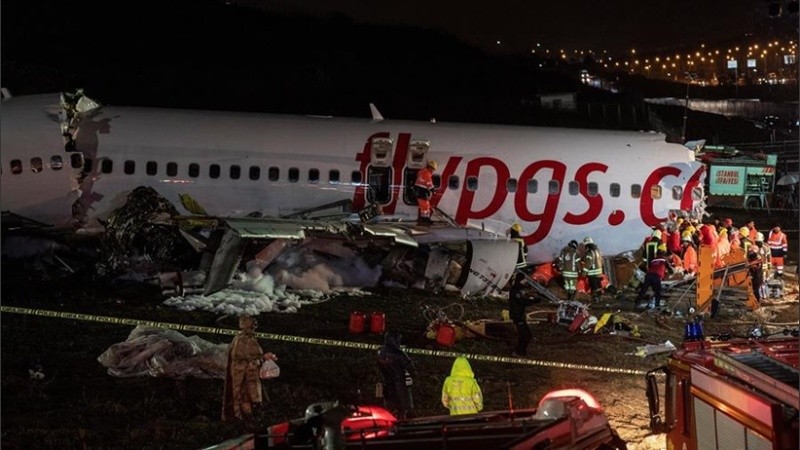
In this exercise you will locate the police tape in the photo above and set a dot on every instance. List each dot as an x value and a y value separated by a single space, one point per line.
312 341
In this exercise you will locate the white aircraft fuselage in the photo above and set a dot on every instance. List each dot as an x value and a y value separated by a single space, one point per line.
559 184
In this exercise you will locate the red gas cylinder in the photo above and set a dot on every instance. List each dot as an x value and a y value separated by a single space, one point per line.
377 322
446 335
357 322
576 323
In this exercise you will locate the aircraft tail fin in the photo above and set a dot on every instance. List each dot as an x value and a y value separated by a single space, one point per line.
376 115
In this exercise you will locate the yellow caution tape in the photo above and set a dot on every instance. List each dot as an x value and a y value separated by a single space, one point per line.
312 341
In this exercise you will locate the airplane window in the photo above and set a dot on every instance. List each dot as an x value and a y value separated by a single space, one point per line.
437 180
294 175
553 187
151 168
573 188
129 167
214 171
677 192
16 166
56 163
87 165
614 189
172 169
592 189
194 170
511 185
76 160
453 182
333 176
655 192
472 183
255 172
697 194
532 186
36 164
106 166
313 175
355 177
636 190
235 172
273 174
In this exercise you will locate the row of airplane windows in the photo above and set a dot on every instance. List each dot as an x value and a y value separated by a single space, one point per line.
293 176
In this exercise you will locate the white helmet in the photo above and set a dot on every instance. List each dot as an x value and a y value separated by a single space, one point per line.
587 240
759 237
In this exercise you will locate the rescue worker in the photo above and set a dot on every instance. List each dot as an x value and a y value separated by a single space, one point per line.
674 239
744 240
460 392
754 266
656 272
689 255
423 190
569 264
778 245
751 225
650 246
593 267
516 234
766 262
242 389
396 370
517 302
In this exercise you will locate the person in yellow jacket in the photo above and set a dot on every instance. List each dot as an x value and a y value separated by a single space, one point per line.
461 393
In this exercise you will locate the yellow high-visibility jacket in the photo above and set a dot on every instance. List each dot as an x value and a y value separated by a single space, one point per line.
461 393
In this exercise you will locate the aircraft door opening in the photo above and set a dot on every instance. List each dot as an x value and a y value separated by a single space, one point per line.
379 180
416 160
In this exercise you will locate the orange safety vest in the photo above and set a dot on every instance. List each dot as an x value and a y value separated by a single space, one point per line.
424 178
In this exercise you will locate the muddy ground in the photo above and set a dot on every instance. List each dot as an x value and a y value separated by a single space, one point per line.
78 405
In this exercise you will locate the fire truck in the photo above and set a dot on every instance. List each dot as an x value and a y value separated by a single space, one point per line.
729 394
566 419
734 177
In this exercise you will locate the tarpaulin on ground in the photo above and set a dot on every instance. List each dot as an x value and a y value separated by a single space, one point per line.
161 352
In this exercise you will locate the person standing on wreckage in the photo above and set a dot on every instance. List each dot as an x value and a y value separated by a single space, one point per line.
242 389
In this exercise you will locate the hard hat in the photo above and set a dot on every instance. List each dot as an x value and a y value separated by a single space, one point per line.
728 222
759 237
744 231
587 240
516 227
686 236
662 247
679 221
432 164
722 231
573 243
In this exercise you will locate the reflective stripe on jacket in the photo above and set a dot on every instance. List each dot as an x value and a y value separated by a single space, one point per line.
593 263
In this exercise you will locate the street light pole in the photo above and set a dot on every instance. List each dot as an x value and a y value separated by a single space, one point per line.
685 112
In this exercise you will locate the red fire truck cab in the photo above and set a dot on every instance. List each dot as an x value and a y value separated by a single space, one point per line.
734 394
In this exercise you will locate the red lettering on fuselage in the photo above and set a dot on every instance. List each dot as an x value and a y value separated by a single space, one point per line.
548 214
464 210
686 201
595 202
646 200
544 218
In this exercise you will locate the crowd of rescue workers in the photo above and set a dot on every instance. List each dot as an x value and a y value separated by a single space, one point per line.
671 248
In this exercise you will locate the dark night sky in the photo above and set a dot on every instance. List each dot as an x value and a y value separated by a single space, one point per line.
610 24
